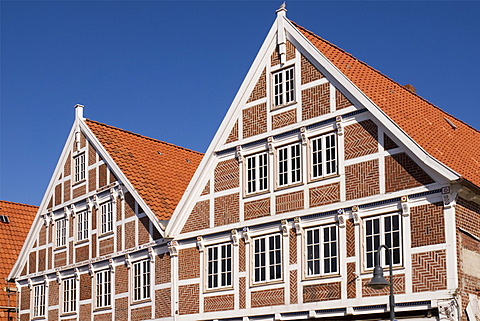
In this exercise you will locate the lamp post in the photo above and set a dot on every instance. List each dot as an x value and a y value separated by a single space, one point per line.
378 282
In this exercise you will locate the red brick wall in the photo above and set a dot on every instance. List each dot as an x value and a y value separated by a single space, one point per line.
102 175
130 235
309 72
94 245
188 298
292 239
326 194
82 253
162 269
121 309
256 209
226 209
321 292
102 317
242 293
24 298
290 53
398 286
219 303
351 278
361 139
362 179
60 259
315 101
284 119
79 191
32 262
106 246
401 172
92 179
53 293
226 175
241 254
206 189
340 100
350 231
41 259
289 202
92 155
260 89
144 230
254 120
293 287
199 218
427 224
233 136
86 312
388 143
66 191
268 298
85 287
139 314
429 271
129 205
68 165
163 303
42 236
121 279
58 194
188 263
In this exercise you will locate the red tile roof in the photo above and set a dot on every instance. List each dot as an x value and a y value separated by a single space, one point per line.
159 171
12 237
458 148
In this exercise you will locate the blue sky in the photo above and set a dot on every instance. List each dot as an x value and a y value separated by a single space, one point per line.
170 69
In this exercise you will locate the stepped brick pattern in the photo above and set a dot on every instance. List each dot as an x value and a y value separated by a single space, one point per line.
429 271
233 136
309 72
188 298
315 101
351 281
219 303
290 51
398 286
226 209
284 119
226 175
289 202
321 292
267 298
427 224
388 143
350 231
199 218
260 89
293 287
361 139
340 100
188 263
401 172
256 209
362 179
326 194
254 120
162 303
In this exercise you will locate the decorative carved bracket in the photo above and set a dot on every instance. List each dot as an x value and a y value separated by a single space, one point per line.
239 154
270 145
172 248
297 224
405 206
284 227
303 135
339 125
200 244
246 235
234 235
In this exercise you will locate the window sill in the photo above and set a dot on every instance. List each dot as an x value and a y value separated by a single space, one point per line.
322 178
280 188
264 283
140 301
82 242
79 183
105 235
369 271
229 288
68 314
60 248
282 106
256 193
320 277
103 308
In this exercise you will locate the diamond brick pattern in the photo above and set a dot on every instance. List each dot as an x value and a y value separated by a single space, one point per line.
361 139
340 100
188 298
163 301
268 298
315 101
401 172
427 224
351 284
293 246
254 120
226 209
219 303
362 179
233 136
398 286
309 72
429 271
325 194
321 292
256 209
188 263
293 287
226 175
289 202
260 89
388 143
350 231
199 217
290 51
284 119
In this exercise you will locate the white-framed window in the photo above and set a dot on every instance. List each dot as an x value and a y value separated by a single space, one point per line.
61 232
283 87
256 173
39 300
219 266
79 167
69 295
106 217
384 229
82 225
141 280
103 288
322 250
267 258
289 164
323 155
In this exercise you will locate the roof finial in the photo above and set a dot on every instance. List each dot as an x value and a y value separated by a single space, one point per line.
281 10
79 111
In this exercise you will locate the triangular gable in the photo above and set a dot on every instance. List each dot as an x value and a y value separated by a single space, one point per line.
232 128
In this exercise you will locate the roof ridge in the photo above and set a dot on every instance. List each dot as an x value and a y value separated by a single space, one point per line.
383 75
16 203
144 137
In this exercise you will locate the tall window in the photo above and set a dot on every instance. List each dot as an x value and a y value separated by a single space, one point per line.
267 252
82 225
257 173
322 250
141 280
385 229
219 269
323 152
79 168
106 214
289 164
284 87
61 232
103 289
69 295
39 300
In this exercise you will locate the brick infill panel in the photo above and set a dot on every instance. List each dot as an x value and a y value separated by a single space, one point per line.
289 202
254 120
284 119
268 298
315 101
260 89
362 179
398 286
401 172
361 139
188 299
188 264
309 72
256 209
429 271
427 224
326 194
219 303
321 292
199 218
226 209
226 175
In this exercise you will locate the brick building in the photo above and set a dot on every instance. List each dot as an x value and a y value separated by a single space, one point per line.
319 160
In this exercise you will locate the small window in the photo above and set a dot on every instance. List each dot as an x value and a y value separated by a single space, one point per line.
39 300
322 250
82 226
141 280
61 232
69 295
267 265
385 229
323 152
106 215
284 87
289 165
103 289
257 173
219 266
79 168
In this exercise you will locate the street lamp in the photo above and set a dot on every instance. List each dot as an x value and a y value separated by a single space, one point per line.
378 282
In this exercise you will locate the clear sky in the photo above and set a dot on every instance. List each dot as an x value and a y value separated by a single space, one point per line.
170 69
